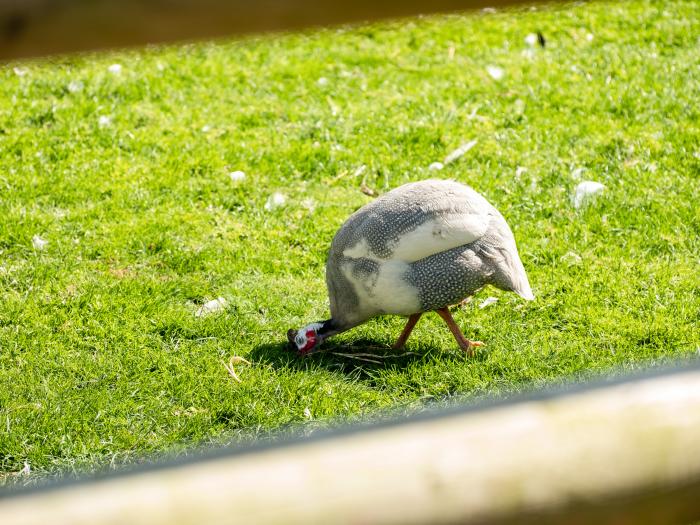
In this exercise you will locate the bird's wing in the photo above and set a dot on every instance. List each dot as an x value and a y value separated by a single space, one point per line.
409 229
440 233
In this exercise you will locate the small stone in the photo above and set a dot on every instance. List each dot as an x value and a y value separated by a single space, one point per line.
210 307
309 204
531 39
75 86
275 200
237 176
115 69
39 243
495 72
585 192
519 107
436 166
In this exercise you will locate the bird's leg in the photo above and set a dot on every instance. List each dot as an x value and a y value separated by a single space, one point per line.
464 343
401 341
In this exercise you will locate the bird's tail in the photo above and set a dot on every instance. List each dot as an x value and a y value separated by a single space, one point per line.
510 274
519 282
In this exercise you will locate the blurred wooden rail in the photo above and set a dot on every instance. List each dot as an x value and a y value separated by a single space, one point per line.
30 28
623 453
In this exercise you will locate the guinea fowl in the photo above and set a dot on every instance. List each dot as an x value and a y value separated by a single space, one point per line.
420 247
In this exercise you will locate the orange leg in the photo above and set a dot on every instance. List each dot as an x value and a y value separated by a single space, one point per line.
401 341
464 343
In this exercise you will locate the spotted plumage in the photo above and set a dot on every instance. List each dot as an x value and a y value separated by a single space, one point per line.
423 246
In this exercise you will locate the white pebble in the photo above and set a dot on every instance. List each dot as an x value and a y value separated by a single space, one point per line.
210 307
459 152
519 106
586 191
206 128
39 243
495 72
104 121
75 86
115 68
237 176
531 39
309 204
436 166
488 302
275 201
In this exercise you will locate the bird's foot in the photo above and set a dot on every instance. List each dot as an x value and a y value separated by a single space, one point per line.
469 346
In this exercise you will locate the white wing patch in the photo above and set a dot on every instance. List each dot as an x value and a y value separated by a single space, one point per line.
390 293
359 250
440 234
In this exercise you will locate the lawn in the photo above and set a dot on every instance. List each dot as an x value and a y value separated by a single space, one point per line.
119 219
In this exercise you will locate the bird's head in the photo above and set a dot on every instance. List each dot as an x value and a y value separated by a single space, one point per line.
306 340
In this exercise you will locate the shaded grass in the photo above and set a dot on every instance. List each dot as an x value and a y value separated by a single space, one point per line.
102 360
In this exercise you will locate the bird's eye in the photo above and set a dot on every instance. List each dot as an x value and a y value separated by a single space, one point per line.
306 343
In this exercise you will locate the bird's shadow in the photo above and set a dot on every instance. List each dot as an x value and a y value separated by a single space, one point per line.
359 358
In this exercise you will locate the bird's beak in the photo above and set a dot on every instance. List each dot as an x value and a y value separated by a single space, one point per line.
291 334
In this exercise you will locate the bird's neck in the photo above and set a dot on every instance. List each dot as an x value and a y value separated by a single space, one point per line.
328 328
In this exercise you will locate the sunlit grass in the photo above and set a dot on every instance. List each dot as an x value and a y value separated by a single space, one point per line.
125 175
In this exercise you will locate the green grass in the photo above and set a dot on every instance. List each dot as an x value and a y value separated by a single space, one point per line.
102 359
